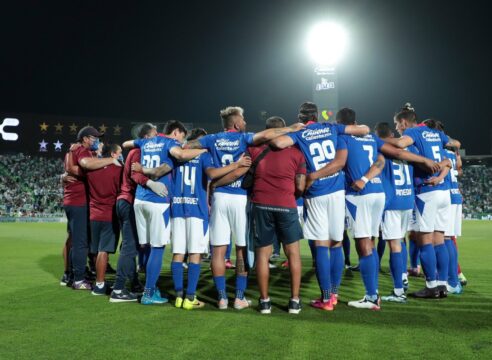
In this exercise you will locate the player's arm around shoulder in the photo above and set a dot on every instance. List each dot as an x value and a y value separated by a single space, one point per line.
181 154
271 134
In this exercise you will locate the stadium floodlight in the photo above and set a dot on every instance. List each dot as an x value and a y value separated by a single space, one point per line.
327 43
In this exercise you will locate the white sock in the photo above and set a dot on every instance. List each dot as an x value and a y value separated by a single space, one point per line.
398 292
100 285
117 292
431 284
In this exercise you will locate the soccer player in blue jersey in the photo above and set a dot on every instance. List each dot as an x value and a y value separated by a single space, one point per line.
432 200
152 212
325 197
229 203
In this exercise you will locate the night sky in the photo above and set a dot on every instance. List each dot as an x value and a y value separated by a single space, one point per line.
187 60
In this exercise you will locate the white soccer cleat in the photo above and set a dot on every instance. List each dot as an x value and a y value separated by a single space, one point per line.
365 303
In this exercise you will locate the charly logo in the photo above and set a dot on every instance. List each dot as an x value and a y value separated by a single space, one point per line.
9 136
325 85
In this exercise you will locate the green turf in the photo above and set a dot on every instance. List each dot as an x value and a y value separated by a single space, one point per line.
41 320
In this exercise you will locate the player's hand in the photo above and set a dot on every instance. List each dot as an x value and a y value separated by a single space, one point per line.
75 146
309 181
358 185
157 187
432 166
433 181
116 162
297 126
137 167
244 161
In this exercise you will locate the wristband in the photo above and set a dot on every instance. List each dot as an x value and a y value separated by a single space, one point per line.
364 179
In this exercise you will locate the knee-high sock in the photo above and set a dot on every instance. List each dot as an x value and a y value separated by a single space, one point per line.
220 285
241 284
414 254
336 268
442 258
453 263
428 261
396 265
323 270
177 273
193 276
456 248
154 265
404 256
346 248
367 270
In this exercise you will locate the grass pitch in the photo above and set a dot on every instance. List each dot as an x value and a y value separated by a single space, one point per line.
41 320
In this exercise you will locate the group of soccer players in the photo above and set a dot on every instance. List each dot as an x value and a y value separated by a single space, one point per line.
184 188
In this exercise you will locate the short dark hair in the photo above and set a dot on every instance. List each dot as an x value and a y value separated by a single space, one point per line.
308 111
196 133
145 130
407 112
383 130
274 122
346 116
227 115
172 125
108 149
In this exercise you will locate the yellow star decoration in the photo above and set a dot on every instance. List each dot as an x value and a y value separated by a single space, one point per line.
102 128
117 130
58 128
73 128
44 126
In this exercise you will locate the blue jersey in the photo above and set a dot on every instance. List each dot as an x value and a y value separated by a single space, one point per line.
397 178
430 144
155 152
452 179
362 153
190 188
225 148
319 143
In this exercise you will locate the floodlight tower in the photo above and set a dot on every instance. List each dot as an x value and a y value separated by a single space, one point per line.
326 43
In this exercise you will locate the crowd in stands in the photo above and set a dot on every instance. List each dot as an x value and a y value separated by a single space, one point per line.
30 186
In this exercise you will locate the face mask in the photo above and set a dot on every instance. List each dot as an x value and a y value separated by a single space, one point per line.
95 145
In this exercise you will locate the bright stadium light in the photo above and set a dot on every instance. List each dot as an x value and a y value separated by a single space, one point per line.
327 43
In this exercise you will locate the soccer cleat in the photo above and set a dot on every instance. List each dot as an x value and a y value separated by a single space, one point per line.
137 288
96 290
185 265
274 257
82 285
285 264
295 307
65 280
155 299
322 305
426 293
462 279
265 306
229 264
365 303
222 304
334 299
405 284
415 272
355 268
179 302
402 299
457 290
123 296
192 304
443 291
272 266
240 304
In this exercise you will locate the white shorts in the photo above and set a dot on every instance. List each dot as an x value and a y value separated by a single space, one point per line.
325 217
454 221
432 210
153 223
228 216
300 213
189 235
394 224
364 213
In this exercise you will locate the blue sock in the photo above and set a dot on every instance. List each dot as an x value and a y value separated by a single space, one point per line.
177 273
396 266
381 247
453 263
193 276
414 254
376 266
241 284
346 248
220 285
404 256
336 268
428 260
153 269
323 270
312 247
367 270
442 257
228 251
